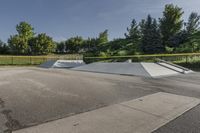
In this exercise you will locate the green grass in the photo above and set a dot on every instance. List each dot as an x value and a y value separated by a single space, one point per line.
35 60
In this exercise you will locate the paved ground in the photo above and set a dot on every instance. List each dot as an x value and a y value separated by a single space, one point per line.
34 96
142 115
187 123
31 96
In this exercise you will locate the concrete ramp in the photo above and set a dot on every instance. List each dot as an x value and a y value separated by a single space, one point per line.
62 64
137 69
116 68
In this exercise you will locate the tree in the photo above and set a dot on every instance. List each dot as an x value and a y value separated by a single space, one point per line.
191 45
120 47
60 47
133 32
91 45
103 37
42 44
134 37
25 30
19 43
171 22
178 39
4 49
74 44
151 38
193 23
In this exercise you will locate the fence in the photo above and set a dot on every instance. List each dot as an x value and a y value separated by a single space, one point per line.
148 58
35 60
190 60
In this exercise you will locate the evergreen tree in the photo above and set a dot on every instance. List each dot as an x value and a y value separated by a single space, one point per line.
103 37
193 23
133 32
171 22
151 38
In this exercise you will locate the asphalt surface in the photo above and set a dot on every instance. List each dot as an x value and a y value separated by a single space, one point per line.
31 96
187 123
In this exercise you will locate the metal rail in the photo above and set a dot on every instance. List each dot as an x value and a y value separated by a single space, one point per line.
169 63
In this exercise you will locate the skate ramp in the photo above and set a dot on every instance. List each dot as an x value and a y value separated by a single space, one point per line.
154 70
62 64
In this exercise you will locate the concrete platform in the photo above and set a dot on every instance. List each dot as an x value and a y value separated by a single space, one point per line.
142 115
116 68
150 70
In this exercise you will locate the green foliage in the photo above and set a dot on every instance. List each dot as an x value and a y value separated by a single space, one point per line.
4 49
192 45
133 32
74 45
178 39
193 23
25 30
151 38
41 44
120 47
26 43
60 47
133 38
148 37
171 22
77 44
103 37
90 45
19 43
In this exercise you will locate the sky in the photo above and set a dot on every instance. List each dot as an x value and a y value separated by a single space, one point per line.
62 19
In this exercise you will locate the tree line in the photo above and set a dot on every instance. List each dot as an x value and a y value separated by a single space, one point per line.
168 34
26 42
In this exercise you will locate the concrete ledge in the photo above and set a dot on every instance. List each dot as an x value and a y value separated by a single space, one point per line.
142 115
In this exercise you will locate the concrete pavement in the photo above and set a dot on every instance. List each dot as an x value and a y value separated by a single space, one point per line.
33 96
142 115
186 123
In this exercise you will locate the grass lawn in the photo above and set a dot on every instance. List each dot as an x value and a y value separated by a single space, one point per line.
35 60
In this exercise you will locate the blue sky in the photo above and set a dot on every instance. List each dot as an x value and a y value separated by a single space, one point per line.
62 19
